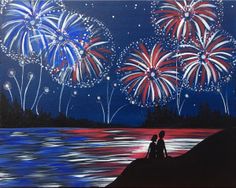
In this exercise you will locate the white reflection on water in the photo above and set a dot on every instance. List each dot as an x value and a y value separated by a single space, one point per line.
79 158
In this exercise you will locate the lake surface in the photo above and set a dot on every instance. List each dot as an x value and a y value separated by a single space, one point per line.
80 157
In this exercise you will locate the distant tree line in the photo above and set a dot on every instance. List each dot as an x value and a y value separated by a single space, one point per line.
11 115
205 118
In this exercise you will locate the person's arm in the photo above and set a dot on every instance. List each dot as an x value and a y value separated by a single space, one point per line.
148 152
166 155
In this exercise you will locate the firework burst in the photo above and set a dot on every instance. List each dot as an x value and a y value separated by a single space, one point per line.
22 21
183 19
148 73
82 52
65 47
208 61
96 57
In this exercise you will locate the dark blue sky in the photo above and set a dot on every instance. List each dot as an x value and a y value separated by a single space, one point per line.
128 21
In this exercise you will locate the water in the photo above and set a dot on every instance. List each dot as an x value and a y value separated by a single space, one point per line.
60 157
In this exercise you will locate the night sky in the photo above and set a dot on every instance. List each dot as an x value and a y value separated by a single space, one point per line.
128 21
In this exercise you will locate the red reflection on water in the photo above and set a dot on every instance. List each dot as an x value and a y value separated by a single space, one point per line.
113 149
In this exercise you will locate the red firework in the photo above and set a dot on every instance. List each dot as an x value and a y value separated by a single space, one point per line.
149 76
207 60
182 19
93 60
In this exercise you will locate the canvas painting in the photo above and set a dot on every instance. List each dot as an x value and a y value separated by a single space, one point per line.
117 93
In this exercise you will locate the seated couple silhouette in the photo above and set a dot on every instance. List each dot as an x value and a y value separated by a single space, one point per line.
157 150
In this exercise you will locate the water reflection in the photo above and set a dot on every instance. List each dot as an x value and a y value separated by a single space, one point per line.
79 158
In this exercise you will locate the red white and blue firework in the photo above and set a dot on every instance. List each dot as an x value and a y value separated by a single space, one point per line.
208 61
81 50
181 20
148 73
96 57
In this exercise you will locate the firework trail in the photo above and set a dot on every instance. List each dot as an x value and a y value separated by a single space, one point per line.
12 74
7 87
30 78
108 116
46 90
23 22
148 73
74 94
183 19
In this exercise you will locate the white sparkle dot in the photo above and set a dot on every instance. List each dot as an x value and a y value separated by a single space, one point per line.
186 14
152 74
203 57
60 38
113 16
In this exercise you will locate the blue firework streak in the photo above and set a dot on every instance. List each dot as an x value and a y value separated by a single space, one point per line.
23 21
81 50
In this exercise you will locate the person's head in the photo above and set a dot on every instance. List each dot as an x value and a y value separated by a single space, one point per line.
154 138
162 134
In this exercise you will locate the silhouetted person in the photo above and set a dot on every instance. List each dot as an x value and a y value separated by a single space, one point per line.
160 147
151 154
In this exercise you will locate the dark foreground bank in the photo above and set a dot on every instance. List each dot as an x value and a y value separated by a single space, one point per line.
211 163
